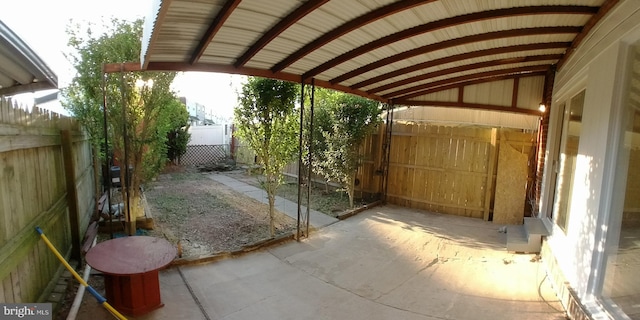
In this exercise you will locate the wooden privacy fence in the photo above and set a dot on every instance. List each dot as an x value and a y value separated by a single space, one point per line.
41 153
468 171
477 172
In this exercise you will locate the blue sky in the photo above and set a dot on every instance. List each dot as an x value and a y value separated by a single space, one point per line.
42 23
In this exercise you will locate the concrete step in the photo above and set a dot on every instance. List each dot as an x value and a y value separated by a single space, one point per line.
517 238
535 226
527 237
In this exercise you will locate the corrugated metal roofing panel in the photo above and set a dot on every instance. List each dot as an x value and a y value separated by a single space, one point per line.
530 92
321 20
478 70
348 10
273 8
450 95
447 66
266 59
466 117
239 37
491 93
306 46
439 35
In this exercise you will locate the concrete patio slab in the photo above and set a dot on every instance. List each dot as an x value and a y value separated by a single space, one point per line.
385 263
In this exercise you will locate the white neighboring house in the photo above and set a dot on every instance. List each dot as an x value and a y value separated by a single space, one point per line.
217 134
196 111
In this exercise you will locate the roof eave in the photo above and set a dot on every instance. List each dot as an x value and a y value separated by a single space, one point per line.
44 77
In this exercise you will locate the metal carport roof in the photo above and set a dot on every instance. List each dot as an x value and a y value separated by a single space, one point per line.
21 69
408 52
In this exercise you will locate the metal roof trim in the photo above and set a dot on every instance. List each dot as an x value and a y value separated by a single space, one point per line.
28 59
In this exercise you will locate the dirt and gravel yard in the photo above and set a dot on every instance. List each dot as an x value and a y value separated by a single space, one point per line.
205 217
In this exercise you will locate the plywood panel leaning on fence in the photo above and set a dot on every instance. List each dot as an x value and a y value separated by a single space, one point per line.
511 180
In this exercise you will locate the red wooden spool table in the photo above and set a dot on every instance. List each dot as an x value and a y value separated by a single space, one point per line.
130 266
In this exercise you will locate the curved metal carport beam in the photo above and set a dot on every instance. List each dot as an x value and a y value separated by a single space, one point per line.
466 80
209 67
214 27
457 57
280 27
422 89
446 23
346 28
604 9
179 66
466 67
456 42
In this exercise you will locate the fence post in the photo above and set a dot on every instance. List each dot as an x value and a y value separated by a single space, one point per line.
72 192
491 170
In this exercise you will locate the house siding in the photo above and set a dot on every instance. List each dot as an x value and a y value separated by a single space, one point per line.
597 66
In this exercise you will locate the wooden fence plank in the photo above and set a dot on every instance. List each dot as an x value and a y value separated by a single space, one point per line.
2 296
27 288
25 187
44 180
10 143
21 244
72 193
15 284
29 184
492 162
5 203
13 194
8 290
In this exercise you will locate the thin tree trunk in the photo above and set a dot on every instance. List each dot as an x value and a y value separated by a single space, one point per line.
350 189
272 229
135 204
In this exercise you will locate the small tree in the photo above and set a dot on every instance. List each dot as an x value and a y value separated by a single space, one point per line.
322 123
266 120
178 134
353 119
143 106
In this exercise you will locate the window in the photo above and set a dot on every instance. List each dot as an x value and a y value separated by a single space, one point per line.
621 284
566 163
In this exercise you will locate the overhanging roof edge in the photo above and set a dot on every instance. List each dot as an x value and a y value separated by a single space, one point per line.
29 59
148 29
